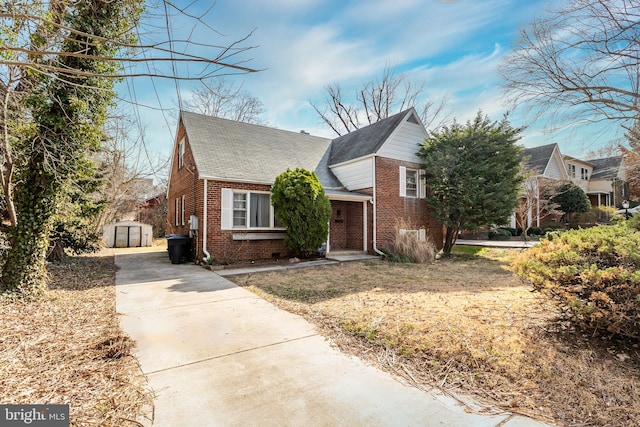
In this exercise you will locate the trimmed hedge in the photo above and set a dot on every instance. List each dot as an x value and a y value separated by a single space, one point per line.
499 234
592 274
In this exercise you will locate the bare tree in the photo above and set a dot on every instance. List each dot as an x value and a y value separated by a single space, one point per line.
59 61
377 100
632 158
223 99
30 37
611 149
535 201
126 170
580 63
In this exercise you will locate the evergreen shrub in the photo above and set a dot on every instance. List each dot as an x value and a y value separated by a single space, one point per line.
499 234
592 274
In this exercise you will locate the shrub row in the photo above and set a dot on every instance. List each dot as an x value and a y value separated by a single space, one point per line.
592 274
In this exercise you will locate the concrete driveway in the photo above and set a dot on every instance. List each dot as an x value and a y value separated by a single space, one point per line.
217 355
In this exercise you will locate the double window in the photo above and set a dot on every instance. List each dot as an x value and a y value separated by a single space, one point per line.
246 209
584 173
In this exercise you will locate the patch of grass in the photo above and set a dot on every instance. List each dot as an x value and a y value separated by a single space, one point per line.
473 250
68 348
302 294
467 325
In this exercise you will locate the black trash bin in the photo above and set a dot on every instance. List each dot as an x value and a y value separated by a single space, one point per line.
179 248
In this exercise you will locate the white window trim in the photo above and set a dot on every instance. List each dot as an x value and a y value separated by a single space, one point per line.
420 234
227 211
182 211
421 190
181 150
177 209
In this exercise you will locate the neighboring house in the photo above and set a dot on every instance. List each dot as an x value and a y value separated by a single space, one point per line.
545 164
154 211
603 180
222 172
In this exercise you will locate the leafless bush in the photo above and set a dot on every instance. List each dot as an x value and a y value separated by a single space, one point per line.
413 244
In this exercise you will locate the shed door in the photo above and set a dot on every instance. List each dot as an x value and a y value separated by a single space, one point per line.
122 237
135 237
128 236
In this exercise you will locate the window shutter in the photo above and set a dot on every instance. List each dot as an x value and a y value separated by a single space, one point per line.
227 209
422 184
403 181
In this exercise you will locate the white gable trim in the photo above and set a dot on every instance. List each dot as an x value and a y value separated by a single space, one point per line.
405 140
559 159
358 159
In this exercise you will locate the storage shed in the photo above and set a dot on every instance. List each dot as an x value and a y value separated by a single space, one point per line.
127 234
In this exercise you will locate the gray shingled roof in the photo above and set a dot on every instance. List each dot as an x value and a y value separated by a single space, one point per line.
229 150
606 168
537 158
364 141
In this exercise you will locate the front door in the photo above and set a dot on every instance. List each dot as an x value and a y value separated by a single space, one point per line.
338 226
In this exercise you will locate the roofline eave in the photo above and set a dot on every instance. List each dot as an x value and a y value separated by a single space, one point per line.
357 159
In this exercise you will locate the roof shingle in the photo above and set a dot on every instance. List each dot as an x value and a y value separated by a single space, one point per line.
236 151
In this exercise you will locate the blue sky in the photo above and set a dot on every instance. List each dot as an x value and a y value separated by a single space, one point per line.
452 47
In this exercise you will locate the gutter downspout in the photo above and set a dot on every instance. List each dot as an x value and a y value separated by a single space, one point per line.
374 202
204 222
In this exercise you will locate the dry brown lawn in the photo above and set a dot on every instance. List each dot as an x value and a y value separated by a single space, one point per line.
466 325
68 348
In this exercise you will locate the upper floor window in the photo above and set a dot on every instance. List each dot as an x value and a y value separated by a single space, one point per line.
411 183
181 153
571 170
584 173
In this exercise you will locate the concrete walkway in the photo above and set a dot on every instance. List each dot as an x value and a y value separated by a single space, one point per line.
217 355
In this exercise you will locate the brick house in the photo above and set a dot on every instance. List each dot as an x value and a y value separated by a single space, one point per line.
222 172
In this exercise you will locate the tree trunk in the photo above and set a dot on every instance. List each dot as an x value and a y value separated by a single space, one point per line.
57 251
449 240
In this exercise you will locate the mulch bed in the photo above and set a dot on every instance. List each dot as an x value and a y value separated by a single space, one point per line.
68 348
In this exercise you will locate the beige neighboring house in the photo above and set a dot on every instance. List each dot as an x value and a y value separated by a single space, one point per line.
603 180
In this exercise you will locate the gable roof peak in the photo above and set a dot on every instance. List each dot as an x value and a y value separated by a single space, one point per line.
368 140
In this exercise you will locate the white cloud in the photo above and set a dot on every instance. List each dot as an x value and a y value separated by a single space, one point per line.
452 46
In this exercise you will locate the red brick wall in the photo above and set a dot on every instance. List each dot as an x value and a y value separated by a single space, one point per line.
220 243
184 182
354 225
390 207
